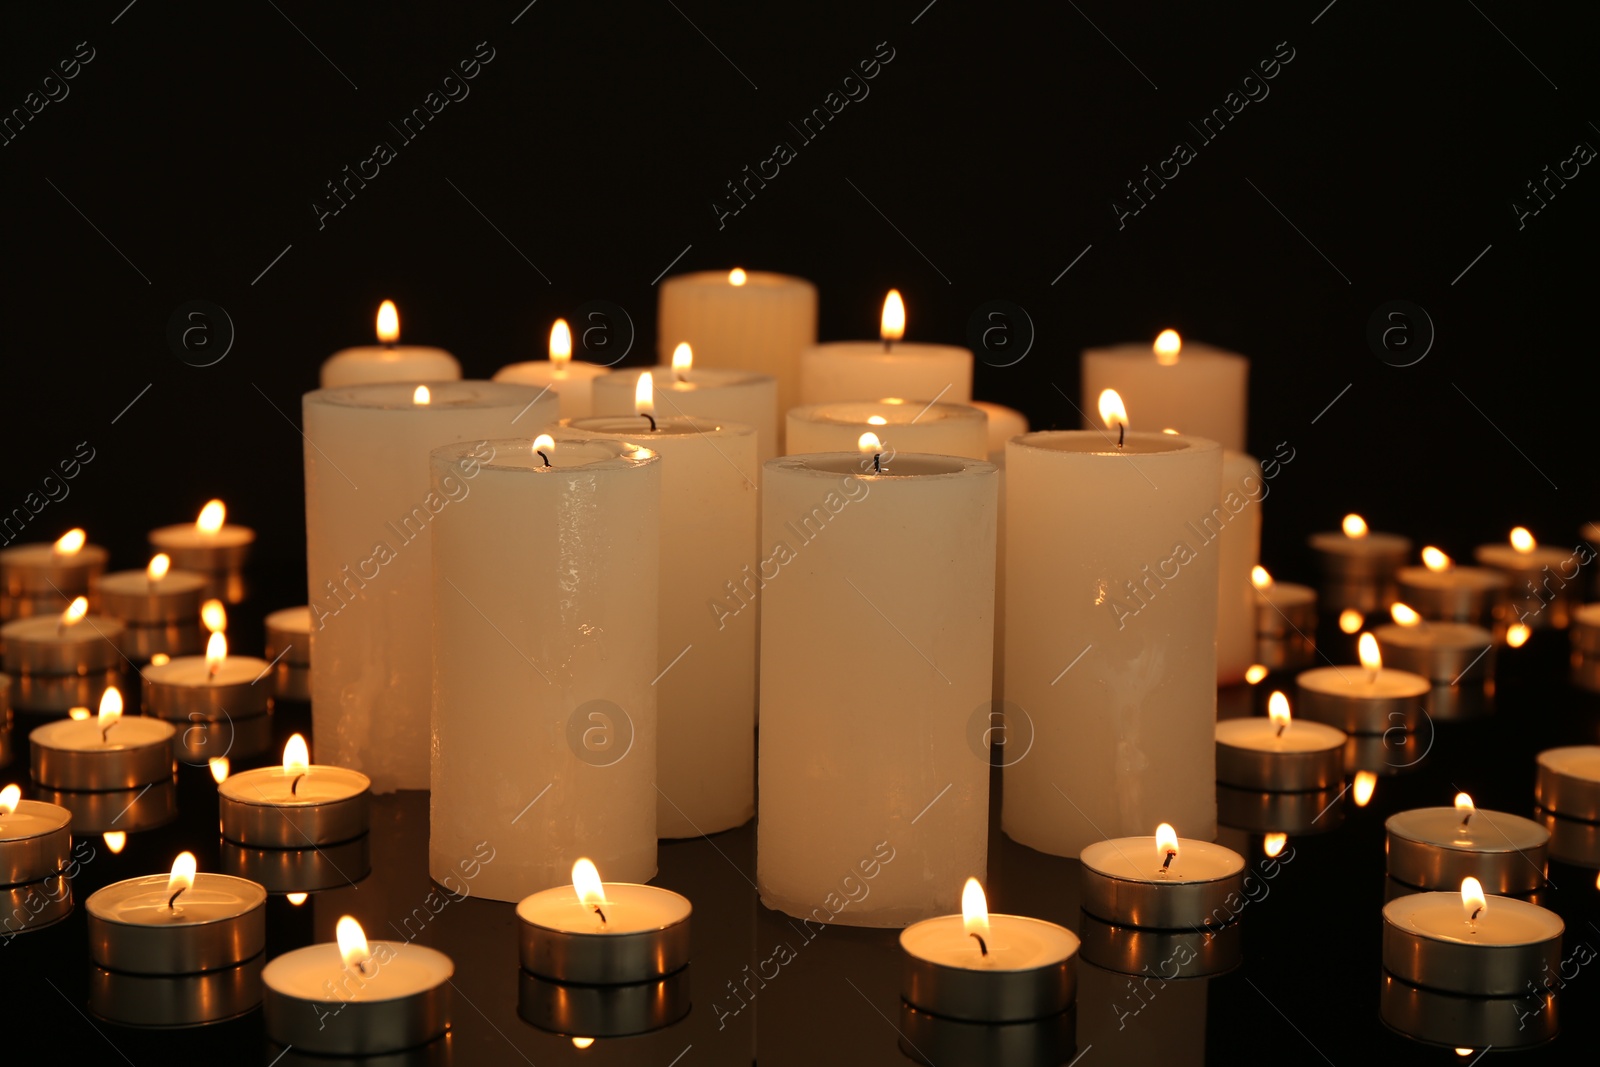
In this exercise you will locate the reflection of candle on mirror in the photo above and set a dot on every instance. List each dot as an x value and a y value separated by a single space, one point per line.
388 360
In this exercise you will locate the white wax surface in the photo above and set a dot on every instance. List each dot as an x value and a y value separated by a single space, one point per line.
1203 394
1015 943
143 901
1373 544
83 735
573 384
367 364
629 909
46 630
1004 424
191 672
1286 595
398 969
44 554
1573 761
1506 558
291 620
739 396
270 786
1355 682
909 426
862 370
1505 921
1135 859
33 818
1486 831
1475 578
188 535
1238 518
1262 735
1431 635
138 584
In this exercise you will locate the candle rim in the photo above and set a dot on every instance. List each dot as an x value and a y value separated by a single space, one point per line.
175 582
160 880
457 394
628 377
565 894
31 804
238 778
633 428
719 279
1146 845
1168 443
1452 898
944 410
621 456
1306 727
848 464
1502 846
1074 942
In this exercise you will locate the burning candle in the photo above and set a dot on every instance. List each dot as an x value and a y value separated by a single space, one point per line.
863 370
1443 652
1585 636
903 425
1470 942
154 595
289 652
603 933
181 923
573 381
1279 755
1371 699
103 753
1174 382
1359 565
35 838
37 579
210 545
988 968
212 687
355 997
683 389
1162 881
296 805
1435 848
1442 591
1286 621
1542 592
73 643
388 360
1568 781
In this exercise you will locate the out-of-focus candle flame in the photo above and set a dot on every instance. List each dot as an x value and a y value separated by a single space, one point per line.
1278 711
219 768
211 516
422 396
869 443
296 899
1435 560
560 343
682 359
545 444
182 876
155 661
1112 411
1464 1052
586 883
644 395
1166 842
388 323
1354 525
585 1042
1522 540
1350 620
1363 788
352 942
1517 634
216 653
975 911
214 616
1273 844
1404 615
1254 673
80 714
1260 578
116 840
877 420
1472 898
736 276
1367 652
10 797
110 709
75 612
160 564
1168 345
70 542
894 317
296 757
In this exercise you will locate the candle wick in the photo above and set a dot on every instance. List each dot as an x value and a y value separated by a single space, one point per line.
1168 861
983 949
1281 728
1475 913
389 345
294 786
1122 432
887 343
877 464
600 913
107 730
172 900
1466 819
541 455
682 377
361 966
652 419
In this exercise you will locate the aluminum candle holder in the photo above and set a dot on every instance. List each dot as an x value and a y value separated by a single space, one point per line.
647 935
218 922
603 1010
35 842
182 690
173 1001
1572 840
1165 954
1398 752
1430 848
1285 610
314 1003
142 643
934 1040
1458 1022
1262 812
35 905
258 807
1460 594
1043 984
1307 756
40 571
1567 781
1530 599
1359 572
70 754
1126 883
1452 703
289 650
43 646
228 549
56 694
128 810
1429 941
1448 652
298 870
1584 632
137 599
1340 696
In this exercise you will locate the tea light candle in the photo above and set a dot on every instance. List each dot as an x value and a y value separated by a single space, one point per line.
73 643
902 426
156 594
1537 597
107 752
1278 755
289 651
171 1001
683 390
1286 622
1359 565
355 997
210 687
1435 848
1584 634
1003 424
209 545
1470 943
988 968
1567 781
181 923
1198 388
35 838
861 370
1441 590
388 360
1448 652
603 933
572 381
1162 881
296 805
63 569
1370 699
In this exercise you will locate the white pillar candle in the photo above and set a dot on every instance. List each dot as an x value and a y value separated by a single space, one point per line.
1435 848
103 753
876 591
701 393
902 426
1004 424
179 923
1239 548
742 320
862 370
706 643
1111 615
1174 384
572 381
388 360
370 510
544 724
1470 942
209 544
1543 590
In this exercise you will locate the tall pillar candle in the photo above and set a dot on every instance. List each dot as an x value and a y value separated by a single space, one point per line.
544 719
572 381
1193 388
1111 614
1004 424
701 393
862 370
706 652
739 320
876 597
388 360
1238 521
369 514
902 425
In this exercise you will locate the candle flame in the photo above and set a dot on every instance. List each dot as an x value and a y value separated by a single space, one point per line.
75 611
1464 1052
1112 411
1367 652
877 420
868 442
560 343
79 714
422 396
1354 525
110 708
70 542
544 443
736 276
1350 620
1465 806
1473 901
116 840
160 564
1435 560
1522 540
682 359
296 899
1366 782
1517 634
1166 841
974 910
644 395
894 317
1278 710
1260 578
155 661
182 876
219 768
1273 843
388 323
216 652
1404 615
352 942
214 615
1168 345
1254 673
585 1042
10 797
211 516
586 883
296 757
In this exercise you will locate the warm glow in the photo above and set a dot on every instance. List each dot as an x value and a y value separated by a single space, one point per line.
974 910
894 317
736 276
80 714
75 611
1402 614
561 343
1354 525
868 442
1278 710
1464 1052
1367 652
160 564
1472 899
422 396
1168 345
182 876
1260 578
219 768
1166 841
544 443
211 516
1517 634
1254 673
1522 540
1171 431
1435 560
110 709
388 322
644 395
877 420
116 840
682 359
586 883
296 899
1464 806
1273 844
10 797
1365 783
585 1042
1350 620
70 542
296 757
216 652
1112 412
352 942
214 615
155 661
